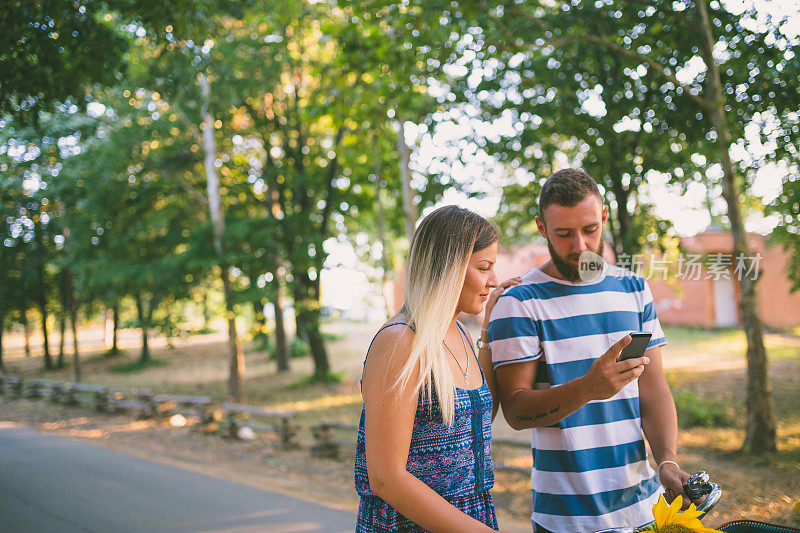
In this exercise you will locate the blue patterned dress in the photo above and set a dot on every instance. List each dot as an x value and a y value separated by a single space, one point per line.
454 461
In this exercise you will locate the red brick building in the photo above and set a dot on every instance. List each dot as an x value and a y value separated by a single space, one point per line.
712 298
706 295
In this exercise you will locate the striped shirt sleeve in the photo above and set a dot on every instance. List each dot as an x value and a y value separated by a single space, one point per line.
513 333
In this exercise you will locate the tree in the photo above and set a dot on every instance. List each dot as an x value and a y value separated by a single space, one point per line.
50 52
32 159
722 66
176 62
787 207
131 222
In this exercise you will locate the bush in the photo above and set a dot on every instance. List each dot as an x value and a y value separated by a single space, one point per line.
262 342
696 411
299 348
330 378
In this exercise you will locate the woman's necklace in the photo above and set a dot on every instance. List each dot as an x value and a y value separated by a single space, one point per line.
464 371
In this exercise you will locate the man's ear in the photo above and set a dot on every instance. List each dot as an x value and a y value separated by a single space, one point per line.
541 227
605 215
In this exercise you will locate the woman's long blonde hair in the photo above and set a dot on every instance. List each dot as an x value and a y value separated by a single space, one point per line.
437 264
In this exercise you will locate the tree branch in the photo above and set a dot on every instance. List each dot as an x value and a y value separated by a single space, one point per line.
702 103
332 169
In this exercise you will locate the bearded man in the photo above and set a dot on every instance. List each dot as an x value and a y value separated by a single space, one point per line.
555 340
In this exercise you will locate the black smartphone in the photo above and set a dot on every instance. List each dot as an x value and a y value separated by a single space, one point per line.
636 347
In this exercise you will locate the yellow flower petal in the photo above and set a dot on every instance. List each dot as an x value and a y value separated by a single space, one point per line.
660 512
689 516
669 518
674 507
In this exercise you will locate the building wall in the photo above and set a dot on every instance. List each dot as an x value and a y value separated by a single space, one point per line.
779 307
690 305
693 304
685 302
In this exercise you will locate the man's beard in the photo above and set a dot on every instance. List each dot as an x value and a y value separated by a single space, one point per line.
567 269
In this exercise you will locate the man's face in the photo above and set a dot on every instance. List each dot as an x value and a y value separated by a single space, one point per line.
571 231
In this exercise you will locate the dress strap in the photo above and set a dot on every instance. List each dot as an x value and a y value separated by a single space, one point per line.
383 328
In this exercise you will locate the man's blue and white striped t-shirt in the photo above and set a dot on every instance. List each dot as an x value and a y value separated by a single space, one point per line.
590 471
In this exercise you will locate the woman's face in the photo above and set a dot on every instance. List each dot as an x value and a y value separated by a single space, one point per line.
479 281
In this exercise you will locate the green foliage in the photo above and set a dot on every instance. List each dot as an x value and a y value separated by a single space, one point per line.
329 378
51 51
298 348
138 365
202 331
306 98
332 336
111 353
787 208
262 342
699 411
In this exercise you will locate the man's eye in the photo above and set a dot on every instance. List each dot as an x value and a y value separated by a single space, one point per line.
562 235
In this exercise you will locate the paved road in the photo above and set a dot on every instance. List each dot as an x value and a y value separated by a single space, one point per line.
55 484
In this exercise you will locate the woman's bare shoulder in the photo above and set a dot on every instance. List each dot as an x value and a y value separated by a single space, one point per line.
396 334
390 349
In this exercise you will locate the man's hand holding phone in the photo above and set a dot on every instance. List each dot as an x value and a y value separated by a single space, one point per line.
609 373
637 346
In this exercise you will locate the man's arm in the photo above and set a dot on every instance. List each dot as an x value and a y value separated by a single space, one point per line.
660 424
525 407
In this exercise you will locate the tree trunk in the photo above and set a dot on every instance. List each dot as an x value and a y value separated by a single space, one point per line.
108 330
623 235
299 318
62 326
2 329
26 326
281 347
235 380
144 326
261 330
206 313
409 209
760 429
307 308
322 367
48 361
115 319
73 316
62 316
386 292
41 295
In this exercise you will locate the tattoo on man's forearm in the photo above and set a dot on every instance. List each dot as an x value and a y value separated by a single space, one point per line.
537 416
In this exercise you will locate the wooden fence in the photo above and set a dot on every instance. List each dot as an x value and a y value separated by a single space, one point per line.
331 439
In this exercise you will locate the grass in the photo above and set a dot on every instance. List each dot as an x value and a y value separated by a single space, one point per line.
695 410
329 378
138 365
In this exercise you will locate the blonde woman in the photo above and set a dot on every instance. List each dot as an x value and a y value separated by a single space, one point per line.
424 455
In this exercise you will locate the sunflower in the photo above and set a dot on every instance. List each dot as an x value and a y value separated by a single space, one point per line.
669 519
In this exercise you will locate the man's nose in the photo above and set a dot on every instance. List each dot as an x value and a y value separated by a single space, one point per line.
579 245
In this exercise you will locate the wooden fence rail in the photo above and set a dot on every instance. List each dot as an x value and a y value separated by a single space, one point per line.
330 439
283 426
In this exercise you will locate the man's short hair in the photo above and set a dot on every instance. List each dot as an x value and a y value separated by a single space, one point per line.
567 187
